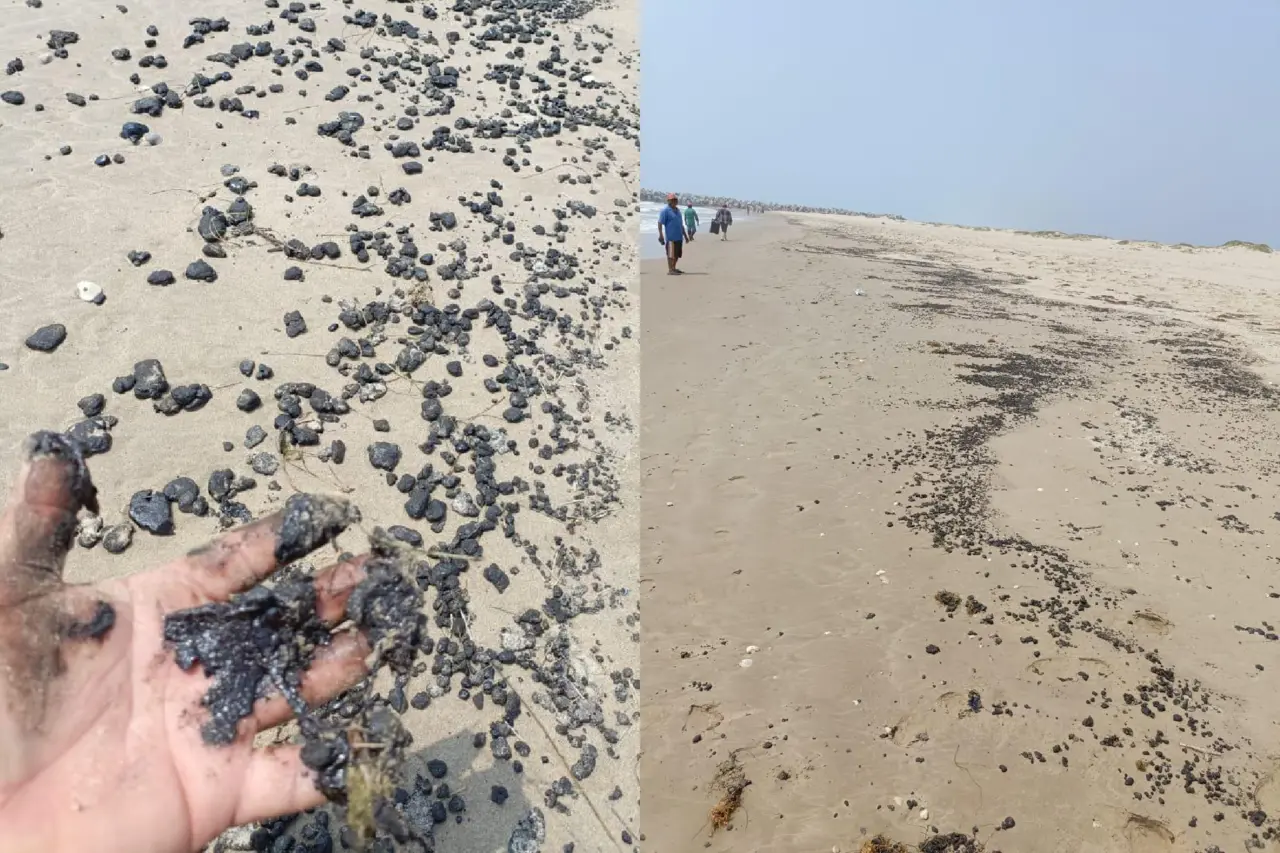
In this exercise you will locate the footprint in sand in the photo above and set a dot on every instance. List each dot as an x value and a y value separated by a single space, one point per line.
914 726
702 718
737 486
1151 622
1145 835
1267 794
1070 668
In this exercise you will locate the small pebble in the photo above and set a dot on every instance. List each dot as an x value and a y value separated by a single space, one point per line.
118 539
47 338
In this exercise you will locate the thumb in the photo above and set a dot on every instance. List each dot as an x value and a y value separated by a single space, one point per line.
39 521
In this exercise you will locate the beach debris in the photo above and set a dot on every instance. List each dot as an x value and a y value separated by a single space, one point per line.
421 302
948 599
262 641
731 783
201 271
90 292
151 511
213 225
133 132
47 338
148 381
951 842
91 405
384 455
529 833
265 638
118 538
294 325
89 531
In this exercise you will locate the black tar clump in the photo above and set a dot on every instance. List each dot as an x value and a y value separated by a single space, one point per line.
262 641
258 643
387 606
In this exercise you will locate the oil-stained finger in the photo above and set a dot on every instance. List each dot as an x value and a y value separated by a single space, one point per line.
238 560
38 525
336 667
334 586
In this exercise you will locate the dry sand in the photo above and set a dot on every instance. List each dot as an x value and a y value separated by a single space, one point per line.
65 220
1074 438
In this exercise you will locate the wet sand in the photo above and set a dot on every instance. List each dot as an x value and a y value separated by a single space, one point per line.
987 550
558 248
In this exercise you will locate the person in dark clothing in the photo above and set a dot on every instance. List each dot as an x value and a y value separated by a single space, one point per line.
724 219
671 233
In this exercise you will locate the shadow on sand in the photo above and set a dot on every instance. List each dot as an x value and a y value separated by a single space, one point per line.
453 793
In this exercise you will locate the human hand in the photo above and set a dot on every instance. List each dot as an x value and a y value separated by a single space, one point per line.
662 241
100 731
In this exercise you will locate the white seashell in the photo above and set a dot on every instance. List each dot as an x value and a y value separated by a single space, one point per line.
89 292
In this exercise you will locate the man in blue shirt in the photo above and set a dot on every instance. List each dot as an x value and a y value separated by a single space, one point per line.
671 233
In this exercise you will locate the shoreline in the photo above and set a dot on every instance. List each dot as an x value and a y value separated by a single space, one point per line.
651 251
907 554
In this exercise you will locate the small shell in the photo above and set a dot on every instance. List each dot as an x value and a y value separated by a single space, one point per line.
89 292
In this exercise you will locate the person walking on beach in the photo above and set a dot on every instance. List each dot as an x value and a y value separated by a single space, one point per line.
690 222
671 233
724 219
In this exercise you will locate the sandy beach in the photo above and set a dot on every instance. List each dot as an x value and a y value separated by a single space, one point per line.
443 279
959 537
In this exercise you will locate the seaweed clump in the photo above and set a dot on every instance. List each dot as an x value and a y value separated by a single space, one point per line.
882 844
951 842
356 765
731 780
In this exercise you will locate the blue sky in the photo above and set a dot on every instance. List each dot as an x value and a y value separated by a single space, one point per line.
1129 118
